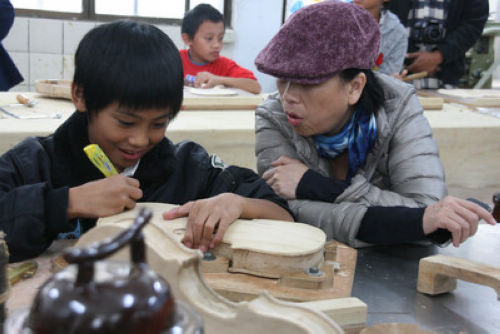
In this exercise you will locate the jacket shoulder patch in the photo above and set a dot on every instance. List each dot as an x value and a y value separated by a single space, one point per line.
217 162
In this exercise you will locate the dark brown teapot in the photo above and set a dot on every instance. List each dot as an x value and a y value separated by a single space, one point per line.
105 297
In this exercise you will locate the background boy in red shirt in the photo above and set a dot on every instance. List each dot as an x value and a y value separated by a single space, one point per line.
203 30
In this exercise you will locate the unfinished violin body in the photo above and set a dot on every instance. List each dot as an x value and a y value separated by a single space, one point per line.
251 248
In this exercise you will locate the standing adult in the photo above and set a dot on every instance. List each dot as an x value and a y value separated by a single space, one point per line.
349 148
440 33
9 74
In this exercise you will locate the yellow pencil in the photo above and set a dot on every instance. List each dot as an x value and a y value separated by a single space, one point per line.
100 160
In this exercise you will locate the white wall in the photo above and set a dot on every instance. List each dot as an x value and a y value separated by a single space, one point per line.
44 48
255 23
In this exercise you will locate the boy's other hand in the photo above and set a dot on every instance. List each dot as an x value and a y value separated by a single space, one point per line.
104 197
206 80
207 216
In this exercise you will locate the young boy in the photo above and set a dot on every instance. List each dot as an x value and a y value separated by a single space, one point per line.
203 30
127 87
394 37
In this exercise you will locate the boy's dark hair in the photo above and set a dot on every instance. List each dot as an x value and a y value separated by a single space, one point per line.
132 63
196 16
372 97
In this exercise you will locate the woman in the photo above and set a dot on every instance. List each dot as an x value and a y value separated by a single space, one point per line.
350 149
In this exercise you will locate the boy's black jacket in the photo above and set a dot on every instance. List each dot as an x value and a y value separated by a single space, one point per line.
35 177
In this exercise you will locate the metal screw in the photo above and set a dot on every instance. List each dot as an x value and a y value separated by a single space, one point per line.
208 256
314 271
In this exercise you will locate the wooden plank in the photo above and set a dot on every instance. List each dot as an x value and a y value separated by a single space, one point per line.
446 98
59 88
475 97
396 328
350 313
239 102
438 274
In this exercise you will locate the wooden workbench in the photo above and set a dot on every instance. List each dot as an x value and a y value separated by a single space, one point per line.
228 133
467 139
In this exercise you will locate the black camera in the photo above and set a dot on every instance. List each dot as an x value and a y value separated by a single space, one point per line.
430 31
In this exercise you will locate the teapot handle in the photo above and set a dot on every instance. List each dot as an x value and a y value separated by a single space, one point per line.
85 257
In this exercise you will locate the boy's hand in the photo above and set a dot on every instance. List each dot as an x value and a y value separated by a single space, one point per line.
206 216
206 80
458 216
103 197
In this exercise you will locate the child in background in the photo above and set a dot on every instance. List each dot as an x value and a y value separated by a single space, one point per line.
394 37
203 31
127 87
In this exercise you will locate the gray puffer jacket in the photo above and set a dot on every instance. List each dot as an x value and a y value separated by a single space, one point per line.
402 169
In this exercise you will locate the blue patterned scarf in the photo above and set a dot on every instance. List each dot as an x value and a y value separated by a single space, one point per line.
358 136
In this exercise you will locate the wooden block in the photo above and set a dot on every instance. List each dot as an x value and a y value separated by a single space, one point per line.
396 328
303 280
350 313
54 88
218 265
330 250
431 103
438 274
297 287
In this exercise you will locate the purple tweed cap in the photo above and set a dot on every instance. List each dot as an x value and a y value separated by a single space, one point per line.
320 40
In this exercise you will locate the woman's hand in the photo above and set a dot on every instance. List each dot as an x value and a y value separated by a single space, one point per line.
458 216
285 176
104 197
206 216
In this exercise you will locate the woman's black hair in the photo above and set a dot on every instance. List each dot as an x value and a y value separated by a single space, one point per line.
372 97
132 63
